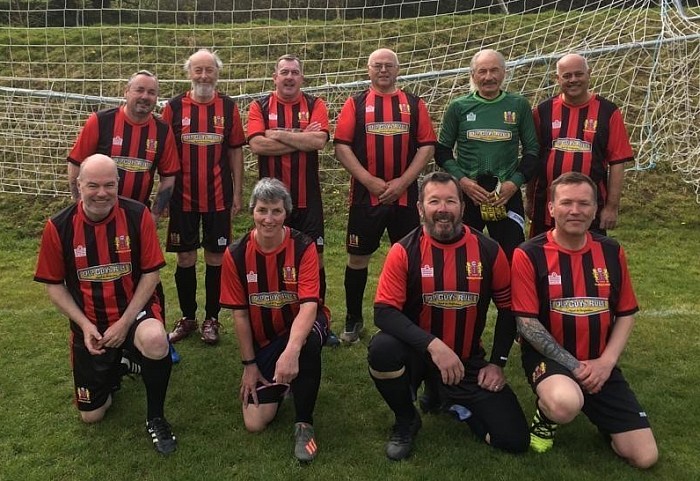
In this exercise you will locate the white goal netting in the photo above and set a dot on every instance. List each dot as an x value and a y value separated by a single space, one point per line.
62 59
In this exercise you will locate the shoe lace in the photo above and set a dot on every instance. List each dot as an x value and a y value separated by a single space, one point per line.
543 429
160 429
211 323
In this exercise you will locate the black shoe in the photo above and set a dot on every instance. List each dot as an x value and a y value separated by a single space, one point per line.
400 442
332 340
162 436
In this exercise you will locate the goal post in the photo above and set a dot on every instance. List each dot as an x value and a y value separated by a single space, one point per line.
62 59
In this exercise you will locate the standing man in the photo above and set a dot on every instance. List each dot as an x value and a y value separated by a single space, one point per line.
575 306
432 298
99 259
579 131
384 139
489 127
286 129
138 142
208 191
270 281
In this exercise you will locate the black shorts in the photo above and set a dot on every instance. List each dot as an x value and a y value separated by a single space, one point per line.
366 225
509 232
267 356
497 413
309 221
95 377
183 230
614 409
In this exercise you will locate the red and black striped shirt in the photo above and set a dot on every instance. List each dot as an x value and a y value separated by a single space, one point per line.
384 131
100 263
270 285
204 133
584 138
297 170
446 288
576 295
139 150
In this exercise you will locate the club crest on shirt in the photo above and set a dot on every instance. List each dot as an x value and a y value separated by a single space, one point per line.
303 116
474 270
600 276
471 117
590 125
426 271
80 251
539 371
151 145
554 279
118 141
404 108
289 274
218 120
83 394
122 243
252 277
510 117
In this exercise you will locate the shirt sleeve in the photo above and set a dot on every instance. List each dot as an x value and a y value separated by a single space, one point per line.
426 132
233 294
50 268
345 126
619 148
86 143
525 298
170 160
308 278
236 138
256 122
320 115
151 254
391 287
628 301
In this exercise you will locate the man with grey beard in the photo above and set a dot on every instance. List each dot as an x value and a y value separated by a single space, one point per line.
210 138
431 303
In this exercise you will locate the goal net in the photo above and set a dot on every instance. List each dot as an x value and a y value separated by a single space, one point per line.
62 59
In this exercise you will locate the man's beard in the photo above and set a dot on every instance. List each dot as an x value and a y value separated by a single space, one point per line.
203 90
443 233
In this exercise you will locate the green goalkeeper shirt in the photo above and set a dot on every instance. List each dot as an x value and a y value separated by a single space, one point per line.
488 134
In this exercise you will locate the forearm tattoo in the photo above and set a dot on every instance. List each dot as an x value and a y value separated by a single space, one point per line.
534 332
162 199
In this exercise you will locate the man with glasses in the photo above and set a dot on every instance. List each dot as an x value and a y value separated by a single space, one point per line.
384 138
488 128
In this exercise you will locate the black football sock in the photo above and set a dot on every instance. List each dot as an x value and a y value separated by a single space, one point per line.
212 282
156 375
355 282
186 283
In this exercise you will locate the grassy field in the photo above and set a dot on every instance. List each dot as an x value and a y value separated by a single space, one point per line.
42 438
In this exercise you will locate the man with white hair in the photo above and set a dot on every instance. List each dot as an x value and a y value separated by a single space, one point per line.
209 137
489 128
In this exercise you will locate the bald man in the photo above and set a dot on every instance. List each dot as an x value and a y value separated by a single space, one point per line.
99 259
210 138
579 131
384 138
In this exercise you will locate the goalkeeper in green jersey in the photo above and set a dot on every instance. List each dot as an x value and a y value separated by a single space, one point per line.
496 151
